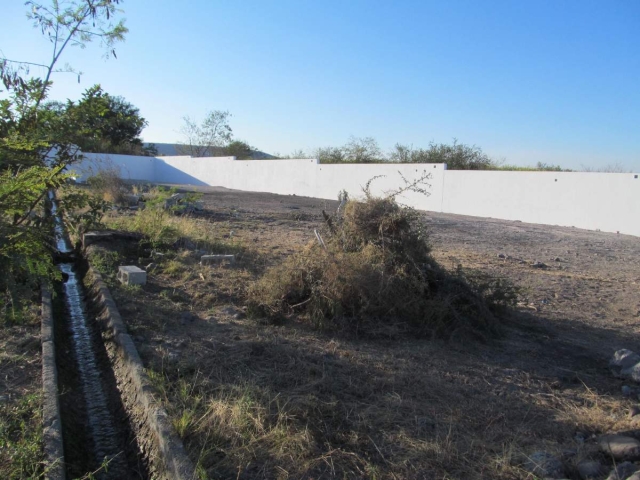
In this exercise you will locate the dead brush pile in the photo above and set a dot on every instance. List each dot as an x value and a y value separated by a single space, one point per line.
371 273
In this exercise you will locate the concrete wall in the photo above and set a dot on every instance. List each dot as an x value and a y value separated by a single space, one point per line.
599 201
130 167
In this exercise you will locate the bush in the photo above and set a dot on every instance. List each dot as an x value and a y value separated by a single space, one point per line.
371 273
108 184
457 156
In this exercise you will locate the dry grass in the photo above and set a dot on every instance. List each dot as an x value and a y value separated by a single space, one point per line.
374 275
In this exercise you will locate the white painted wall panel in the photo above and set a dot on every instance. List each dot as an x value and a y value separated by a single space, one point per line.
597 201
131 167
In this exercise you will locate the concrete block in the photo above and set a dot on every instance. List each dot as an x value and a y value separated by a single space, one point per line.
132 275
90 238
217 259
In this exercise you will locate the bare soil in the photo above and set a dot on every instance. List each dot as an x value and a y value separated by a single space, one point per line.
284 401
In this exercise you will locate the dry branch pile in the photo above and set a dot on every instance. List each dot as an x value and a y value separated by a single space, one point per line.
371 273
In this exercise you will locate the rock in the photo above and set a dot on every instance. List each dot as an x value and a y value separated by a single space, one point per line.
557 259
539 265
622 471
590 469
151 267
624 359
632 373
212 319
633 411
626 390
502 255
620 447
543 464
231 311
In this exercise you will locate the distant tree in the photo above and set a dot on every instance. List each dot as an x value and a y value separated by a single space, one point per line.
362 150
330 155
611 168
457 156
356 150
239 149
295 154
547 167
200 140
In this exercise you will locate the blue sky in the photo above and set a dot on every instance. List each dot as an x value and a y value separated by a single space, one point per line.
555 82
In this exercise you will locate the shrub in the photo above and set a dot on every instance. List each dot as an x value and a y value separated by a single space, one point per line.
108 184
370 272
457 156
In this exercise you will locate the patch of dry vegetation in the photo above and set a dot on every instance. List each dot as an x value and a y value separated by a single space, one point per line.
371 272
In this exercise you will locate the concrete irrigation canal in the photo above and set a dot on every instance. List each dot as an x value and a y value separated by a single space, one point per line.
97 435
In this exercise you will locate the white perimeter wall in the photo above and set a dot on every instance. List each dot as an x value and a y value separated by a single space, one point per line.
598 201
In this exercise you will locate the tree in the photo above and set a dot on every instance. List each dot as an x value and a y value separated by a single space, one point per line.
239 149
330 155
201 140
362 150
102 123
356 150
34 150
457 156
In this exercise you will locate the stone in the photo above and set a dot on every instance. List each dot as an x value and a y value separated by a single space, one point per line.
539 265
132 275
590 469
620 447
217 259
230 311
626 390
632 373
543 464
623 359
622 471
151 267
502 255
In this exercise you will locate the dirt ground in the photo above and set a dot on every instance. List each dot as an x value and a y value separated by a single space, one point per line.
285 401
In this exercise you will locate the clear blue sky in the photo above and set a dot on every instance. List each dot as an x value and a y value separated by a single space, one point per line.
550 81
